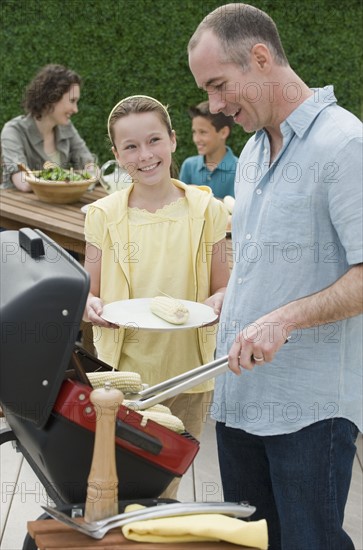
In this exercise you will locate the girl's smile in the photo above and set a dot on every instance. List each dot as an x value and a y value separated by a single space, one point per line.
149 168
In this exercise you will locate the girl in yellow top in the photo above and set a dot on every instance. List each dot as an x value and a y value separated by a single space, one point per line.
157 236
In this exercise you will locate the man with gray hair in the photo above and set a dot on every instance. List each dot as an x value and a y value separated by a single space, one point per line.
287 425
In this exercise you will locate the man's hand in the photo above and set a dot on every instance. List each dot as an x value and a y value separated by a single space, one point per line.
258 343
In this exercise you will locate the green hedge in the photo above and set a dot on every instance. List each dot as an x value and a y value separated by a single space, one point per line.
123 47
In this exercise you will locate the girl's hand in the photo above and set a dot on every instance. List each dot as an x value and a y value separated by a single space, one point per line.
216 301
93 312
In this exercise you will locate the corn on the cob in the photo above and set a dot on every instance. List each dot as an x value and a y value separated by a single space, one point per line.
171 310
127 382
155 408
167 420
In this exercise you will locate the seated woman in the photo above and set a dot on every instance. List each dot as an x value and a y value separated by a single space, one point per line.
45 132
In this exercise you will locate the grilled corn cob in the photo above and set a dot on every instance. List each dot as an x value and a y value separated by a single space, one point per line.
127 382
171 310
167 420
155 408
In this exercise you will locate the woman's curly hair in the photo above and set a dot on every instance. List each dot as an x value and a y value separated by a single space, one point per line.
47 88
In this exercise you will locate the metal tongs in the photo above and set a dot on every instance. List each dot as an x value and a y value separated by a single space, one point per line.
156 394
98 529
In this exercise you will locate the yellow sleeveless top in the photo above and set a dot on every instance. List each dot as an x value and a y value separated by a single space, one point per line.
160 241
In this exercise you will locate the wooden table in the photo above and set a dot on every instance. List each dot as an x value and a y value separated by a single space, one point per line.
49 534
64 223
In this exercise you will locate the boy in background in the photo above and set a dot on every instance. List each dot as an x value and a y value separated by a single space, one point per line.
215 165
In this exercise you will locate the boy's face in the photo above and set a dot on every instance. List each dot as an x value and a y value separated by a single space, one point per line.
206 137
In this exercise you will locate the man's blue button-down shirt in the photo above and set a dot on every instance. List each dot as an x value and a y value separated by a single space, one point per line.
296 228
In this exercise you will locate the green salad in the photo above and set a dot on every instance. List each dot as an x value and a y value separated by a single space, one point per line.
61 174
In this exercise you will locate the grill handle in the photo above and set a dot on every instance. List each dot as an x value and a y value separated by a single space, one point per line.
138 438
31 242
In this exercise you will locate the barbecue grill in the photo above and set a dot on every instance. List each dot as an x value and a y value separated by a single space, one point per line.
51 418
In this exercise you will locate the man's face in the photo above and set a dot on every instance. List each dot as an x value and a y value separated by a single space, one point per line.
231 91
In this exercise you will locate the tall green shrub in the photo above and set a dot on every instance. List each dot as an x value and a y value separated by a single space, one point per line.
123 47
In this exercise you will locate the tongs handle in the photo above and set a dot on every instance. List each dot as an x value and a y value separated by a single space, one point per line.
158 393
188 375
178 384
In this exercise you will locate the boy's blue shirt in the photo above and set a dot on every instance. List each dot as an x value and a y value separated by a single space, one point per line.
220 180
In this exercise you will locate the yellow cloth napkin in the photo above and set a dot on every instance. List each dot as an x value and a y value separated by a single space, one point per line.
199 527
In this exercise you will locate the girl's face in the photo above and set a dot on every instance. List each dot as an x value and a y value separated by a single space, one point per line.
143 147
66 106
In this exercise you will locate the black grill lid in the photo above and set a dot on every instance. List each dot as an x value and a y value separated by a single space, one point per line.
43 292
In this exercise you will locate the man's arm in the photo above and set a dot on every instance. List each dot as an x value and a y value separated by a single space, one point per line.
263 338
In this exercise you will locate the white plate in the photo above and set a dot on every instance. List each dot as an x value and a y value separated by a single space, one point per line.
136 313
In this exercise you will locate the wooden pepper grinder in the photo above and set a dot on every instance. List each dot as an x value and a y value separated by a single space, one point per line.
102 488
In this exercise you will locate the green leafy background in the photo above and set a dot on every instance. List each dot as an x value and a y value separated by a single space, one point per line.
125 47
